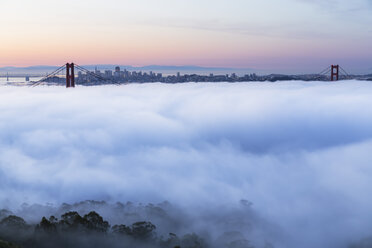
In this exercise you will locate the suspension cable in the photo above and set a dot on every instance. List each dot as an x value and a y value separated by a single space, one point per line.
346 74
48 76
325 71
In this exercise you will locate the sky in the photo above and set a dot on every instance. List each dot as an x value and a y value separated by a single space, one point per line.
282 36
300 152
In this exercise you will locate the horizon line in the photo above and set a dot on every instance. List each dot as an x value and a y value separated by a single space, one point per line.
135 66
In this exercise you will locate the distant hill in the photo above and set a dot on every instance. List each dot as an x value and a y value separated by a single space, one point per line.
32 70
166 69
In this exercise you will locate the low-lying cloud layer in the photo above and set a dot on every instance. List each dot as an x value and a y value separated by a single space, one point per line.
300 152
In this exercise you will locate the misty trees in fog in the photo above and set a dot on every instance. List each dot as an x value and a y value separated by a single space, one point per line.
82 225
14 223
140 230
90 230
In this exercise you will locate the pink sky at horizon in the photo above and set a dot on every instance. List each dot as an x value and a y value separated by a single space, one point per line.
284 37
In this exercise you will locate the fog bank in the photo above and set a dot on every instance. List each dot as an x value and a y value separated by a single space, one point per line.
299 151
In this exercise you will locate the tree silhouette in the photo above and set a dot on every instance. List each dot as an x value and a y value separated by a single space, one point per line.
13 222
143 230
94 222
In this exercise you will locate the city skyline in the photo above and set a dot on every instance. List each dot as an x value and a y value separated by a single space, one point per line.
293 36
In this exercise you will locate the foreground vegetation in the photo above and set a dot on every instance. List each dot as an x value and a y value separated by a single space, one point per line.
72 230
90 230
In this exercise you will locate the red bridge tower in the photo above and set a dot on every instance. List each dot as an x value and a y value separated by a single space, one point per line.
70 75
334 72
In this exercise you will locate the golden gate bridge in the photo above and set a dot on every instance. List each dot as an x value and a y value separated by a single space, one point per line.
336 71
70 69
333 73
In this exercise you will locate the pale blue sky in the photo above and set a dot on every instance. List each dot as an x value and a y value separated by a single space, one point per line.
284 35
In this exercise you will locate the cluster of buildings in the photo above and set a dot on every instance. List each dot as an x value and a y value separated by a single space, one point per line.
125 76
118 76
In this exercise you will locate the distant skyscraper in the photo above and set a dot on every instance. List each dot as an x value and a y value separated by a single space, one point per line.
108 73
117 71
80 74
97 71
